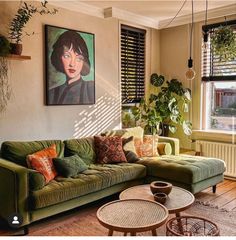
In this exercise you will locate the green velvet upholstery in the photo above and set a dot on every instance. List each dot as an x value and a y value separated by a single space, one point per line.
84 147
18 151
96 178
36 180
174 142
69 166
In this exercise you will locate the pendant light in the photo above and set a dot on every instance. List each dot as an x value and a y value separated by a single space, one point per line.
190 74
205 32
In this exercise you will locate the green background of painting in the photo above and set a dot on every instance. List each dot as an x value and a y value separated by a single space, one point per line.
56 78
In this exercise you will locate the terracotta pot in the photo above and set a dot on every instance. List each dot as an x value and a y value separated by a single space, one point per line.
16 48
160 197
160 187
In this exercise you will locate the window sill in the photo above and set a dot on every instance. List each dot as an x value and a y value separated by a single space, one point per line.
214 135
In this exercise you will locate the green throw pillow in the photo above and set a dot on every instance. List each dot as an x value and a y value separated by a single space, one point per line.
69 166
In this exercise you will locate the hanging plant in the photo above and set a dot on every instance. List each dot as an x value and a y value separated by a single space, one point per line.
5 89
223 42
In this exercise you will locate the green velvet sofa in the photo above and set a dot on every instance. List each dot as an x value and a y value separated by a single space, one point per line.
22 191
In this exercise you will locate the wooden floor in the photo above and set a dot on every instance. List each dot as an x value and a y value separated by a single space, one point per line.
225 196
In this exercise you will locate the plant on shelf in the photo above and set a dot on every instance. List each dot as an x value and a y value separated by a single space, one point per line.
171 102
223 43
5 89
24 14
147 117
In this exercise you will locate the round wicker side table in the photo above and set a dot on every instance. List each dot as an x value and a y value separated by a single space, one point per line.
132 216
191 226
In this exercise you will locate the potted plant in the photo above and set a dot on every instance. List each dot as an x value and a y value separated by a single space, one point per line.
4 83
223 43
23 15
171 102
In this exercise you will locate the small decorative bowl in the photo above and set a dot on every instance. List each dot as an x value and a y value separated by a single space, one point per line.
160 187
160 197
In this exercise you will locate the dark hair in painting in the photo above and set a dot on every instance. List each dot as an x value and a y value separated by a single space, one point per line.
68 39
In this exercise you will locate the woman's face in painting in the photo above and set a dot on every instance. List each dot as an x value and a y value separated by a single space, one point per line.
72 63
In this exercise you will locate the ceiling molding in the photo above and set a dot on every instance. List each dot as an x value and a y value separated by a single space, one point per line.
79 7
130 17
200 16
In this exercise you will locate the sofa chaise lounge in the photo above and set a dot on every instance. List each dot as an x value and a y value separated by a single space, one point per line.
22 192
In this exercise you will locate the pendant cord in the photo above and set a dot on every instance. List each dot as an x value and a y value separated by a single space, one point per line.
175 14
191 32
206 12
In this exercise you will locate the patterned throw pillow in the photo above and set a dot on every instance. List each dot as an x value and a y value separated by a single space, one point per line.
133 146
109 149
149 146
41 161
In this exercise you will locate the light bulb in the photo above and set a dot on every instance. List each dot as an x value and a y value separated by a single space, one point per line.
190 74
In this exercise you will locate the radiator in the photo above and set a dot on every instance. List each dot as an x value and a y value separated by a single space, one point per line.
224 151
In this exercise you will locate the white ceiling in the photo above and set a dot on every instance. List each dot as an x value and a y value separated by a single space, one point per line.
156 14
160 10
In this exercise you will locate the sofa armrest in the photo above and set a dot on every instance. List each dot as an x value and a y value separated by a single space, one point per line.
14 190
174 142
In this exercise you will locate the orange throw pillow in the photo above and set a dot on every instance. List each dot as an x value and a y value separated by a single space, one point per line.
41 161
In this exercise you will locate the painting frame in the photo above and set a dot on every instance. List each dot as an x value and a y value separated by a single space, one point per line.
70 66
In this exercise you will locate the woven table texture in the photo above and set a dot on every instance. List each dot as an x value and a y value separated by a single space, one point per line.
132 213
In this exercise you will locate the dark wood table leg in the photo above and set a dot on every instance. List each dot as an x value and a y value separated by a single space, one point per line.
110 233
179 223
154 232
125 233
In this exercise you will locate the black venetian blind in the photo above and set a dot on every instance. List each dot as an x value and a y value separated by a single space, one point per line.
212 68
132 64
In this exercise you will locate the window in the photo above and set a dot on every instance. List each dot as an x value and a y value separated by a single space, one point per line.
132 64
219 84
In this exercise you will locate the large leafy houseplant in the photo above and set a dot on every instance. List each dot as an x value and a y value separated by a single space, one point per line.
223 43
171 103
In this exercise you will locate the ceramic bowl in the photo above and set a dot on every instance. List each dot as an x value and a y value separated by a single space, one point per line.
160 187
160 197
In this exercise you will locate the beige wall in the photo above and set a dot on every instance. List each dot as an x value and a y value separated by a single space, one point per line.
27 117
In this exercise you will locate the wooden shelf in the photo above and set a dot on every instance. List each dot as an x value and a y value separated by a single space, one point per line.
18 57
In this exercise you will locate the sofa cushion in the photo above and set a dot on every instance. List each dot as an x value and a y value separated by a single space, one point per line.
136 132
36 180
183 168
109 149
18 151
84 147
164 148
42 162
149 146
69 166
96 178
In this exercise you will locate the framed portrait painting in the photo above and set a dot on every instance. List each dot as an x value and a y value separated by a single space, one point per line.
70 66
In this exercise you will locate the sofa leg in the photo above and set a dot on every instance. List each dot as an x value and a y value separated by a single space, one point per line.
214 189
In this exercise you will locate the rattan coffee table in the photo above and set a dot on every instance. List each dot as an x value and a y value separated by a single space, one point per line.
132 216
177 201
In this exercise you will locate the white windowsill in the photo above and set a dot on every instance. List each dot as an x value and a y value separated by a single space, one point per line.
214 135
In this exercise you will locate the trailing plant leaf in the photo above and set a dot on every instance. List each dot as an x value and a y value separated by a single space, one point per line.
4 46
173 129
5 89
223 42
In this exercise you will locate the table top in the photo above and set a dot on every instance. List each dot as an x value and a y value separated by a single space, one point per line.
136 215
177 201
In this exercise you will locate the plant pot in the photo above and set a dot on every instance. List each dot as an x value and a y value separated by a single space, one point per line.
16 48
164 129
160 187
